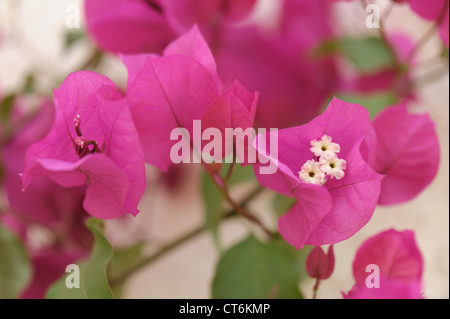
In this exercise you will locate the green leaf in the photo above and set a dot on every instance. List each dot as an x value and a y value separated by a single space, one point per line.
239 175
213 207
252 269
93 279
6 107
72 37
15 268
367 54
123 258
282 204
375 102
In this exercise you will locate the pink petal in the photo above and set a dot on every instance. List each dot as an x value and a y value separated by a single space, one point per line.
313 204
430 10
127 26
193 45
443 30
407 153
122 146
395 253
107 188
169 92
389 289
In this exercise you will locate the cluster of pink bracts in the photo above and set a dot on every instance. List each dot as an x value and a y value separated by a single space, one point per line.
96 140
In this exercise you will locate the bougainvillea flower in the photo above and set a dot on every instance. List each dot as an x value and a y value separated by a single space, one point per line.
320 265
170 92
44 202
398 262
93 141
332 211
128 26
435 11
407 153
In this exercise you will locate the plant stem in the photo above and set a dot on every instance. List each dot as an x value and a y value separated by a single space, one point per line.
428 35
316 288
237 207
178 242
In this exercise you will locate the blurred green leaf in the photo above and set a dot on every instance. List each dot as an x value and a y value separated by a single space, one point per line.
6 107
15 268
72 37
123 258
213 207
375 102
252 269
93 280
367 54
239 175
282 204
28 87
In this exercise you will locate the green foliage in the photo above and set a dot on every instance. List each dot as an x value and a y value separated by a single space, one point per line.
6 107
374 102
72 37
15 268
239 174
253 269
212 198
368 54
93 280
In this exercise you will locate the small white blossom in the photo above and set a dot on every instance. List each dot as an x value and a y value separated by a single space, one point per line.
311 173
333 167
325 147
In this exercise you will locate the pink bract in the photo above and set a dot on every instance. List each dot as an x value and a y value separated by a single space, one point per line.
335 211
407 153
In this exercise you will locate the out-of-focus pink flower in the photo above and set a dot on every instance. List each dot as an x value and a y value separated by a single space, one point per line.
183 14
128 26
280 65
332 211
436 11
395 267
320 265
390 289
48 266
93 141
407 153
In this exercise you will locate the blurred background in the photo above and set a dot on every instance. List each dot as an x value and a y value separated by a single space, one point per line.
34 40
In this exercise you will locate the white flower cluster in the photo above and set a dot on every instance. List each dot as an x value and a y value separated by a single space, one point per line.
328 164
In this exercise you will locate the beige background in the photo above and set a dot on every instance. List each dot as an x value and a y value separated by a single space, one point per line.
31 33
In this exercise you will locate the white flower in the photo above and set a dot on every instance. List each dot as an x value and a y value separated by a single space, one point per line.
325 147
311 173
333 167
